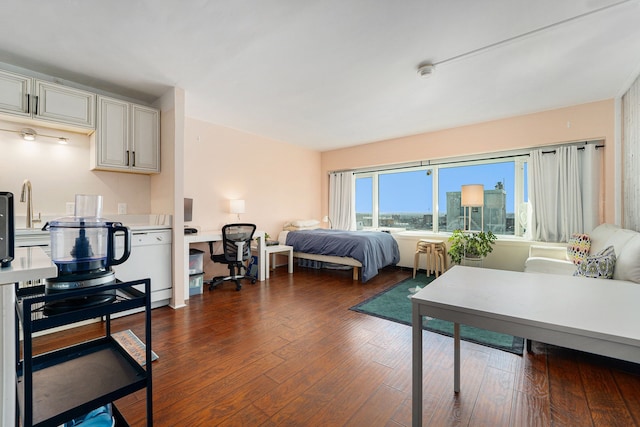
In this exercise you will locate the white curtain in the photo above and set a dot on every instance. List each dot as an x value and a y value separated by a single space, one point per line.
342 210
591 177
630 155
564 192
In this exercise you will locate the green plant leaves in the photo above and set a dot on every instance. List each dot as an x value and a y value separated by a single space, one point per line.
470 244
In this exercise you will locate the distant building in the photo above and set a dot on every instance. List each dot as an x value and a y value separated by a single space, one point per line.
495 212
495 216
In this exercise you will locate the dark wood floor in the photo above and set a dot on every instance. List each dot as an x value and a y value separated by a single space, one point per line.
289 352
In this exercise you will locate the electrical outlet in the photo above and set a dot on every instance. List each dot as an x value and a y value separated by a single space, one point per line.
122 208
70 208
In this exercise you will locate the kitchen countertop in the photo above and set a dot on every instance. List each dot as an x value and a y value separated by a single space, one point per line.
28 263
144 222
134 222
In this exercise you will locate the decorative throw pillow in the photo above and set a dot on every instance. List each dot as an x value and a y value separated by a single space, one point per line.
598 266
578 249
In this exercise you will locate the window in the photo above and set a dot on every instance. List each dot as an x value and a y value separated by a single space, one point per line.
405 199
364 202
498 181
428 197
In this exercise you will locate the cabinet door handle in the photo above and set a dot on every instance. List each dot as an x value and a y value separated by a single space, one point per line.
28 104
127 157
134 159
35 110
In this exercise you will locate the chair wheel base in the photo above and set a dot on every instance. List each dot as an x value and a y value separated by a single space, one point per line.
215 282
220 280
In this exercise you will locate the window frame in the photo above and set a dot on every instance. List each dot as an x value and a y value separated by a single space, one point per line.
519 161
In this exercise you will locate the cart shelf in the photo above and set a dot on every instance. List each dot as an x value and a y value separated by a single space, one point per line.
66 383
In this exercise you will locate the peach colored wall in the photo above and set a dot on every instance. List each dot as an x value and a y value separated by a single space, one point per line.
581 122
278 181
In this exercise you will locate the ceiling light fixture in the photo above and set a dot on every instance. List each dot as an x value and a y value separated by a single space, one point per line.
425 70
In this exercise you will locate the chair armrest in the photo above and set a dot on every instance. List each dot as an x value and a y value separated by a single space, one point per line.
240 251
553 252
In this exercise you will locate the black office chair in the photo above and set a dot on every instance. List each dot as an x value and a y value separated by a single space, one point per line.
236 242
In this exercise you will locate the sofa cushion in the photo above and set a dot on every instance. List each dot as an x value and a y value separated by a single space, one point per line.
600 235
619 239
598 266
549 266
578 248
628 261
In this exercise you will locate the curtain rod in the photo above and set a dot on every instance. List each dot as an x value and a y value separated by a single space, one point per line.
579 149
524 152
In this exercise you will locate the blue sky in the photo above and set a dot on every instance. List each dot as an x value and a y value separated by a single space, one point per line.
411 192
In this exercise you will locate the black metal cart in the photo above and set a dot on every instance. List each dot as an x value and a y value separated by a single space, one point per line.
60 385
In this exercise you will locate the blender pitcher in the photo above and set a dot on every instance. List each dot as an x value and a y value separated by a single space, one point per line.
84 243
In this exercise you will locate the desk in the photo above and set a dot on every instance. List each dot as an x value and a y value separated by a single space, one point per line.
544 307
29 264
216 236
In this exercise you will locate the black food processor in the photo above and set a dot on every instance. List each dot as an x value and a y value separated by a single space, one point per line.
83 249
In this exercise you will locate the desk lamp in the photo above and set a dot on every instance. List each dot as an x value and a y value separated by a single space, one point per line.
236 207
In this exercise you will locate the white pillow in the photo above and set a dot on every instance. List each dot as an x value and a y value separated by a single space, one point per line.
619 239
600 235
305 223
628 262
294 228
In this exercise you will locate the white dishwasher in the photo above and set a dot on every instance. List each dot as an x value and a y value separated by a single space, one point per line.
150 258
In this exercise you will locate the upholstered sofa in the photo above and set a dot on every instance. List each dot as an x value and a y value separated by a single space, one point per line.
557 260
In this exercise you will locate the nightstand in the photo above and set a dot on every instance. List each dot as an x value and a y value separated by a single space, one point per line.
271 251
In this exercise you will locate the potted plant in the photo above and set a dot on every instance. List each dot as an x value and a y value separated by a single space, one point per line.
470 244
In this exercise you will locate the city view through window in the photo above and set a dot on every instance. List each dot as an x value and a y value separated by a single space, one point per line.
413 199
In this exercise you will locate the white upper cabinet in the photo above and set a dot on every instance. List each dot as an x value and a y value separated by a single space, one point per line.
145 135
127 137
111 140
30 98
62 104
15 93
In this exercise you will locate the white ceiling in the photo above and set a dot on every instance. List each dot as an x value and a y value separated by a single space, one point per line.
334 73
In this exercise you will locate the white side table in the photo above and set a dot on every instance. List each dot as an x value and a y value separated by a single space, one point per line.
271 251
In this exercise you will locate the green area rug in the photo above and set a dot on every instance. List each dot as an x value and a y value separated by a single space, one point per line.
394 304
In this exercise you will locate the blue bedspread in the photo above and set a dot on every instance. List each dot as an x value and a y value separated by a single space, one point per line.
373 249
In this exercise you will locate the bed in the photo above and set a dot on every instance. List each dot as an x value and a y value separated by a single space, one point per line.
365 251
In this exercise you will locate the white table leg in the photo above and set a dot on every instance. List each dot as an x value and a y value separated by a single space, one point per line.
290 261
416 385
456 357
266 265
